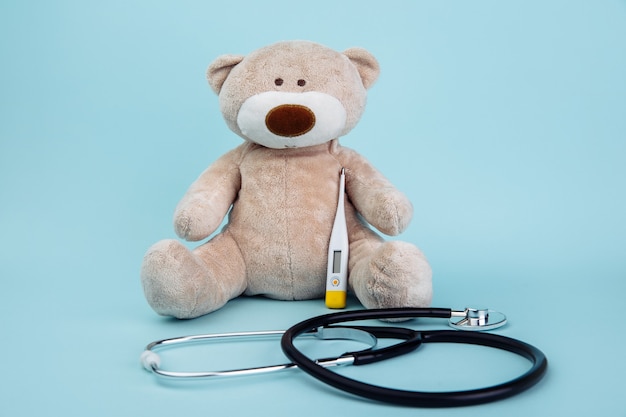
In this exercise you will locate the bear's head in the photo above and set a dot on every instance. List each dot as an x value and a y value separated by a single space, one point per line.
293 94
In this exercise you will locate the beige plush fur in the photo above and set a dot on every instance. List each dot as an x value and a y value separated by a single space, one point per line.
280 193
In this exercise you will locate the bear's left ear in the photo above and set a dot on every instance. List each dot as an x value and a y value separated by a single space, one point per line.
219 69
365 63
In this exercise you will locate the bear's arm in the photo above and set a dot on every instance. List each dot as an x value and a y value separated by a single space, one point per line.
380 203
208 199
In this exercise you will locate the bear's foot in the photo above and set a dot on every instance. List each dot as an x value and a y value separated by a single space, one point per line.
396 274
177 283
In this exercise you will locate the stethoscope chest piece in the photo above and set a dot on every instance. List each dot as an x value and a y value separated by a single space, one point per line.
475 319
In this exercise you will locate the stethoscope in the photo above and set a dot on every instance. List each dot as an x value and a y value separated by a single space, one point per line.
327 327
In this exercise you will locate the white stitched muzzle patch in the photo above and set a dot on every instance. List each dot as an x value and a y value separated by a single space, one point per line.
291 120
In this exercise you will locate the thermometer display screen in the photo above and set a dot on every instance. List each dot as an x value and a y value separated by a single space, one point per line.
336 262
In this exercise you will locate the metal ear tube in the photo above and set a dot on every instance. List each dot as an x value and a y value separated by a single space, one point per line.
151 360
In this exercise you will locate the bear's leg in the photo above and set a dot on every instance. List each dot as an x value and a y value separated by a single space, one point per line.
389 274
186 284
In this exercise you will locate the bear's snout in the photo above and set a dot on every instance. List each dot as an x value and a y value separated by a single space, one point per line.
290 120
280 120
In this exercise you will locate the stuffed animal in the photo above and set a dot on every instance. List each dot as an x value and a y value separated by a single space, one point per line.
290 102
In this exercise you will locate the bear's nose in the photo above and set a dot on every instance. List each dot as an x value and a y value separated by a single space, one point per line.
290 120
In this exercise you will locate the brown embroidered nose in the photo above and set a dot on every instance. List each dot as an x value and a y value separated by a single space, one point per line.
290 120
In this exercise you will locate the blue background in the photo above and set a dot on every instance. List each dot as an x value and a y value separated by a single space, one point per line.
504 122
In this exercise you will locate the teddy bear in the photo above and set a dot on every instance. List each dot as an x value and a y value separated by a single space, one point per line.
290 102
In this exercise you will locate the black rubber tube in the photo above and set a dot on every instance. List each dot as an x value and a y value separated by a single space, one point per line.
411 340
418 398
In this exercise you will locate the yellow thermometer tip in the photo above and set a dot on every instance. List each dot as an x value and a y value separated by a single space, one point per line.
335 299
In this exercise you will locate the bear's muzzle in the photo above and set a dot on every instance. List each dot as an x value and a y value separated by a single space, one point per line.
290 120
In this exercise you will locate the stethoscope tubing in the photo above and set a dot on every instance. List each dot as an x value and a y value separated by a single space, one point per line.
418 398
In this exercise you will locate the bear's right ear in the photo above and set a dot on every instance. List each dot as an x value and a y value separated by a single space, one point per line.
219 69
365 63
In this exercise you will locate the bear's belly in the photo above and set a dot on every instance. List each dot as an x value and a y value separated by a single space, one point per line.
282 221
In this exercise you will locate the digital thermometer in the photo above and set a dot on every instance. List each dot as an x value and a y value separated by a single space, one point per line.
337 271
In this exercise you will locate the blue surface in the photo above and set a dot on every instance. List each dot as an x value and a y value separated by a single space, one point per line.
503 121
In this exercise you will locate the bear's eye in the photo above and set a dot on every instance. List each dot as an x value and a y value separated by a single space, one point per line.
301 83
278 81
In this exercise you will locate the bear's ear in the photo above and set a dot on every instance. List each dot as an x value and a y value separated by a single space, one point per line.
365 63
219 69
